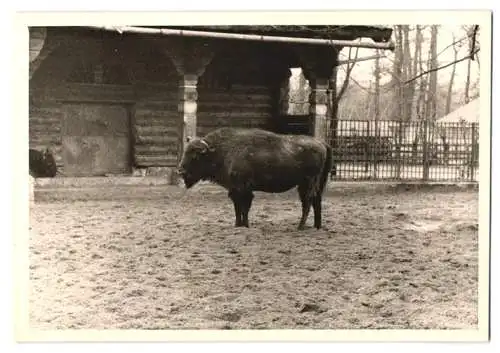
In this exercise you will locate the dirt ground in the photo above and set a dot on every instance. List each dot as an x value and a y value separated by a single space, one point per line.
150 258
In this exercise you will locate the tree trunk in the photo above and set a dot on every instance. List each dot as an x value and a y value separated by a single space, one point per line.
432 91
467 83
407 69
414 68
452 79
348 70
397 79
467 79
376 104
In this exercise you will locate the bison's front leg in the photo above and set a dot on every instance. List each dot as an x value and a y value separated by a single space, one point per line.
242 201
246 203
235 197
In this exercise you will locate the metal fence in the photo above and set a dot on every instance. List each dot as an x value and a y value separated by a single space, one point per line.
405 151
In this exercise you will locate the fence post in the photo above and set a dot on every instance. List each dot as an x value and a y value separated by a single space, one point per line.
398 149
377 150
474 153
425 152
368 147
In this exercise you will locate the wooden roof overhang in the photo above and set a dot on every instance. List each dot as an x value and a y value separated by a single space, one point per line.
309 36
339 36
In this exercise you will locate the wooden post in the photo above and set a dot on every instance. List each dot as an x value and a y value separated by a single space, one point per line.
319 107
379 147
318 65
190 58
279 79
188 105
334 119
284 91
474 156
399 144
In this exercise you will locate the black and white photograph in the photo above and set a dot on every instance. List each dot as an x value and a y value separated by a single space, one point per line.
259 177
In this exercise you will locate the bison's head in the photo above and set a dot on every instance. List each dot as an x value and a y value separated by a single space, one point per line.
195 162
50 163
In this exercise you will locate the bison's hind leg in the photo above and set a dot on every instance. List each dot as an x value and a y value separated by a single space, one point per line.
306 200
317 211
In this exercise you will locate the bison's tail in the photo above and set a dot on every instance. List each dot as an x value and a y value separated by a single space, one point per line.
326 168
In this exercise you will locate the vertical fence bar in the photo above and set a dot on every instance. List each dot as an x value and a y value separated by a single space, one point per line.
473 155
369 147
398 149
425 151
378 148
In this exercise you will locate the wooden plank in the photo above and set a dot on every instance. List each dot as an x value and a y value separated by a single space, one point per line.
163 112
217 124
160 105
151 150
45 112
157 121
144 88
84 92
45 128
44 121
250 88
157 97
233 115
156 130
204 129
217 106
156 161
158 140
48 106
229 97
45 140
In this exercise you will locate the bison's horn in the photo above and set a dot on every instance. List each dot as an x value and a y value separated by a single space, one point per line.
203 142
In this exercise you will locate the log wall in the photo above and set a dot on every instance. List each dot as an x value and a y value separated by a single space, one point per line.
156 126
235 91
45 122
240 106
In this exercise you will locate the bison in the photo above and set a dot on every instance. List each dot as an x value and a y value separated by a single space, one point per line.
246 160
42 164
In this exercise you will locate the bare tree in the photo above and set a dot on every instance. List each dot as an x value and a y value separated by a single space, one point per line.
376 97
399 111
397 73
432 92
452 78
470 41
351 62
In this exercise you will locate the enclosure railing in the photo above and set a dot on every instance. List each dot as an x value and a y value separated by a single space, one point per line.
388 150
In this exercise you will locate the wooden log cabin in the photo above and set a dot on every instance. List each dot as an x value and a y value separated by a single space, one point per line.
110 103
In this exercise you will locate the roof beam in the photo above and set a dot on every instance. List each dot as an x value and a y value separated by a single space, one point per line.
250 37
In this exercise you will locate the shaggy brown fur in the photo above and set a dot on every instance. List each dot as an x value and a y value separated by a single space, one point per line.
247 160
42 164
